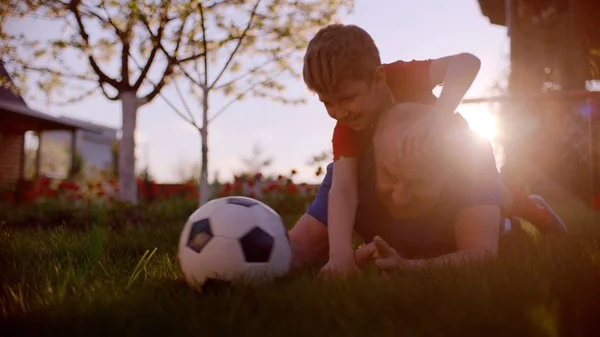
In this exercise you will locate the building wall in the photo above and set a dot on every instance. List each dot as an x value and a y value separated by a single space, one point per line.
11 151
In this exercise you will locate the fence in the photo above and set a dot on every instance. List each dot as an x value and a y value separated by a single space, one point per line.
550 140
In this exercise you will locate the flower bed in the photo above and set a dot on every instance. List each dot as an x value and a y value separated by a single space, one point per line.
47 203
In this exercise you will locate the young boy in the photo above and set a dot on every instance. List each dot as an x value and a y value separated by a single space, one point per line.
342 65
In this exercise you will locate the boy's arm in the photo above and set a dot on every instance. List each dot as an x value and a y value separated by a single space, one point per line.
456 73
343 201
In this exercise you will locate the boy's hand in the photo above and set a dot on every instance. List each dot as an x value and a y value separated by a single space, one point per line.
339 267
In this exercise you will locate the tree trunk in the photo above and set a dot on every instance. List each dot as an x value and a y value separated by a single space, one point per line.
204 188
126 164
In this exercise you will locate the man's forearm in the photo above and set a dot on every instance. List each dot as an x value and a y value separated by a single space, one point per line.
460 74
341 214
452 259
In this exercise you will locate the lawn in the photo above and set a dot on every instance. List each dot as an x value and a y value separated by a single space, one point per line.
102 283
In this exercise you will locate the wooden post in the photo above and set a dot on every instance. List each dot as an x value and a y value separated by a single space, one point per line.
38 154
73 153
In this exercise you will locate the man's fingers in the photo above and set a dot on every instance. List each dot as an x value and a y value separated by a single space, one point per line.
383 249
387 264
365 253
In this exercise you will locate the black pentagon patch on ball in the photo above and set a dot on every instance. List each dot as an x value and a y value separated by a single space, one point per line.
257 246
242 202
200 234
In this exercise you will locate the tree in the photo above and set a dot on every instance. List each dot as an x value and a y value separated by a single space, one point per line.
120 43
250 46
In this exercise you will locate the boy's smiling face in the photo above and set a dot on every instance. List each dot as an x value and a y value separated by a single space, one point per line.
357 103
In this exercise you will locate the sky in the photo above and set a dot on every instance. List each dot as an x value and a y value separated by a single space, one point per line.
402 29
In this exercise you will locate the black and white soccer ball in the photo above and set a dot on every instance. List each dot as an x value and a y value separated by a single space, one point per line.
234 239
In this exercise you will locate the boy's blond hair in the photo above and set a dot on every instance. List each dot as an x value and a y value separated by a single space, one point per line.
339 53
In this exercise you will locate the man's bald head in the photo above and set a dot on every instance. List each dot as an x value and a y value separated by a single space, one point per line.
412 151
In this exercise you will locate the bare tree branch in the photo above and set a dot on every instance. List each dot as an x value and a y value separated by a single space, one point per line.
205 45
109 97
58 73
108 19
240 95
253 70
237 47
187 108
157 41
171 105
103 78
193 80
158 87
78 98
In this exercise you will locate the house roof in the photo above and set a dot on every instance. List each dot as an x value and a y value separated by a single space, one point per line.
48 121
7 89
12 103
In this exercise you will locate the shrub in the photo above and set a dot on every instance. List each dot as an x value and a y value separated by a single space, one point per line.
48 203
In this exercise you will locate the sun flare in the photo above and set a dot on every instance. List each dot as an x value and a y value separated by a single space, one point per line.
480 120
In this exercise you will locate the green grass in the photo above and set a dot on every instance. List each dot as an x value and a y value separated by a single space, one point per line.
100 283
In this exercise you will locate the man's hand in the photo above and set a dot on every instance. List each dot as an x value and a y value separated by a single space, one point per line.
339 268
385 257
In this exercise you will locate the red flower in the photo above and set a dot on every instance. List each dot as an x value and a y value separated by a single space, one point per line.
258 176
226 188
252 195
274 187
250 183
67 186
171 190
101 194
292 188
50 194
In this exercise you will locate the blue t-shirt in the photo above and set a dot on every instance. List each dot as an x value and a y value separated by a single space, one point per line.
475 182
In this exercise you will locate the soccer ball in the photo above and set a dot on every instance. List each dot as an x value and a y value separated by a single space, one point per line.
234 239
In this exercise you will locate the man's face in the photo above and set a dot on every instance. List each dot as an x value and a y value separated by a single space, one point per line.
407 188
356 103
